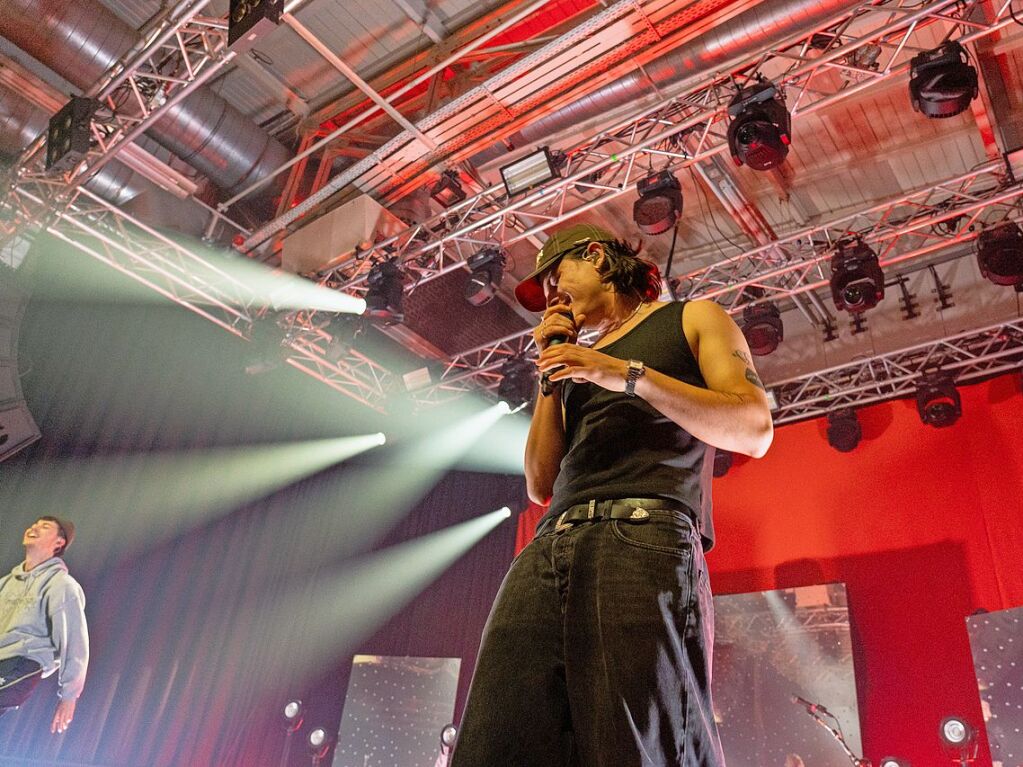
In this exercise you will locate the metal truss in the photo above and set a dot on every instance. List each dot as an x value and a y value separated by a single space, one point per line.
898 230
743 626
679 131
969 356
909 226
178 53
190 277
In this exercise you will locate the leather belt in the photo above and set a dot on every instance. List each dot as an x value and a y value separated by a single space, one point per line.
632 509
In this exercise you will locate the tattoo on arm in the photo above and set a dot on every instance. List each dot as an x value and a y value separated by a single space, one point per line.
751 374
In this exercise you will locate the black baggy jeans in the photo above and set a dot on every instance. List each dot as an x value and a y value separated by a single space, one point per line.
597 653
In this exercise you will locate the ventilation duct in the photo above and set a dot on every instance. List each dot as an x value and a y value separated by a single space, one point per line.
766 24
81 39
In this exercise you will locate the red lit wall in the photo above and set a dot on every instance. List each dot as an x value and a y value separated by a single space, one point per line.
923 525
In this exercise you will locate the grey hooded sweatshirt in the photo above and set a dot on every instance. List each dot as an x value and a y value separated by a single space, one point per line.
42 617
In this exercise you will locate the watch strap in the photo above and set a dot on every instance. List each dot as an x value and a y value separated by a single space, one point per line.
636 370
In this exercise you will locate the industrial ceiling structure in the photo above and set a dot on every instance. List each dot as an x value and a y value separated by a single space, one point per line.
326 144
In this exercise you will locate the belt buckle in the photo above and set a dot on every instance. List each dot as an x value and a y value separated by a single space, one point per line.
592 510
561 524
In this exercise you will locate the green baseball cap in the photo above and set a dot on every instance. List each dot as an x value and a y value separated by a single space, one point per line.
529 291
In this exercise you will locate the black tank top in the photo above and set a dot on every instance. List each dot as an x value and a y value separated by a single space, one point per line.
621 447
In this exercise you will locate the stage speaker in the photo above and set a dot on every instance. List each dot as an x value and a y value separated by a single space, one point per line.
12 308
17 429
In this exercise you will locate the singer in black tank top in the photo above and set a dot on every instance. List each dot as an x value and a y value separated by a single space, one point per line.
620 446
597 652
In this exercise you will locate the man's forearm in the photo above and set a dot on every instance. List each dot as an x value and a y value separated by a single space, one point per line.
736 422
545 447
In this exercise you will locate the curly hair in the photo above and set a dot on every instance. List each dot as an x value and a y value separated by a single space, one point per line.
628 273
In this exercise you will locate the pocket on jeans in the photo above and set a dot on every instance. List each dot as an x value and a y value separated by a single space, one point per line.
668 532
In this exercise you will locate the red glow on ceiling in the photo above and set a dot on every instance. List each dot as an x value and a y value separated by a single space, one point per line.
537 24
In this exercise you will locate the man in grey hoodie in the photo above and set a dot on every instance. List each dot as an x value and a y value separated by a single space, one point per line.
42 622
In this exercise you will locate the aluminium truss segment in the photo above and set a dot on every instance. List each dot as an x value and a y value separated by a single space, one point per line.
191 277
969 356
610 163
910 226
179 52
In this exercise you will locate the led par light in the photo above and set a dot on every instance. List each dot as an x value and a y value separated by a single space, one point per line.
942 83
69 134
762 327
293 714
759 133
958 739
659 203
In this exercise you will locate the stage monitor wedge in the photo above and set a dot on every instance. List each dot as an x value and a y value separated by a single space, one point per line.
17 429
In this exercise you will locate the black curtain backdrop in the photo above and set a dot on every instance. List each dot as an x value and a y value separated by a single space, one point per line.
188 665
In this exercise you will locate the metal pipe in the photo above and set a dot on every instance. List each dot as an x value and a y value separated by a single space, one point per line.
499 29
331 58
87 45
736 38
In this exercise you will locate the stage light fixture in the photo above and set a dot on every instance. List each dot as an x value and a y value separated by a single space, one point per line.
844 432
762 327
531 171
447 191
249 20
938 401
69 134
518 383
759 133
958 739
892 761
1000 255
344 331
942 83
270 344
659 203
486 269
857 282
722 462
293 714
319 742
385 297
448 735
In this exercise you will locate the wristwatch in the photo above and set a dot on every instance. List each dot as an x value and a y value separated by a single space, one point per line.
636 370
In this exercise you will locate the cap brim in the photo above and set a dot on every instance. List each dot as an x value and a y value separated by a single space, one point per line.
530 293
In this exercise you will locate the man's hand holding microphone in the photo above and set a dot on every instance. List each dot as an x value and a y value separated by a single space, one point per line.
558 326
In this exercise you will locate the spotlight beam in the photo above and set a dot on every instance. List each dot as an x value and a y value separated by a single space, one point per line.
317 622
140 500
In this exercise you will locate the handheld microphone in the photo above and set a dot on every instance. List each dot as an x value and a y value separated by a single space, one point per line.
811 708
546 387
